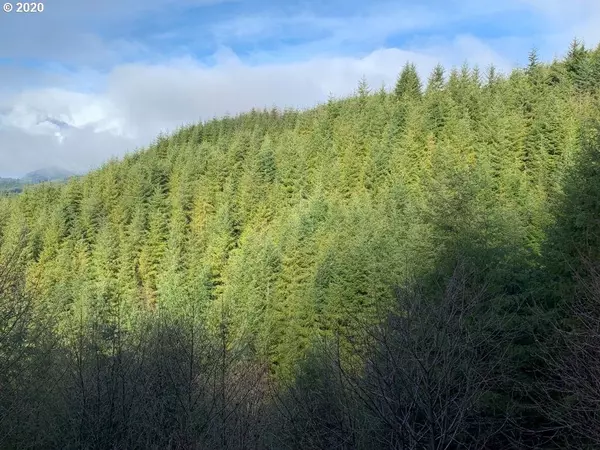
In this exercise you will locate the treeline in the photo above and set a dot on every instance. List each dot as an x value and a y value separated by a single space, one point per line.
405 269
10 186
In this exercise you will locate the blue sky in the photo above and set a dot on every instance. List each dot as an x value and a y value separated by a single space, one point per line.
83 81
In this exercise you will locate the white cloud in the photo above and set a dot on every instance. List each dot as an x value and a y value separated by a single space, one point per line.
79 117
374 24
81 32
51 109
566 20
78 130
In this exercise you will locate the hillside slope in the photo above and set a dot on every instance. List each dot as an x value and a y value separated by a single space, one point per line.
405 269
288 222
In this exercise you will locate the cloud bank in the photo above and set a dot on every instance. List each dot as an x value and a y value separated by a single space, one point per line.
101 93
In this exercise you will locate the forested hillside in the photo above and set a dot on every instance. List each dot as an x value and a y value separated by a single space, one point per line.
10 185
406 268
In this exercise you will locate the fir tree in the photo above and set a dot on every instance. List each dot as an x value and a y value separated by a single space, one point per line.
408 84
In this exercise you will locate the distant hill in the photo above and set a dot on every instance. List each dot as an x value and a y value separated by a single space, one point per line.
47 174
15 185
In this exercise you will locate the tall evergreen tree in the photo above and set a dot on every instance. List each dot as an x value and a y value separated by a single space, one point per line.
408 84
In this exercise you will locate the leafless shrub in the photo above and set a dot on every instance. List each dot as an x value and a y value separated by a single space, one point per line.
167 385
432 363
26 348
571 392
317 409
421 379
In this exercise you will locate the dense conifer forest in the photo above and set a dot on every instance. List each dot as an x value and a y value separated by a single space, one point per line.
412 268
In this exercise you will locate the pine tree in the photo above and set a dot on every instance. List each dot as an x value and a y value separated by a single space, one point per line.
436 79
408 84
153 247
577 64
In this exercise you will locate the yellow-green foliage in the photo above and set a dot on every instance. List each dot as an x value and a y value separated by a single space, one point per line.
286 223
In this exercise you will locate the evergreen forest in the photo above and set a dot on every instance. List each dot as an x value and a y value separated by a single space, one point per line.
407 268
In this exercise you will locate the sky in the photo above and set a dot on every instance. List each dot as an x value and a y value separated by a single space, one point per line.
85 81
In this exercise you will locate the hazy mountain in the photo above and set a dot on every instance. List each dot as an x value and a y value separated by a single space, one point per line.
46 174
37 176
